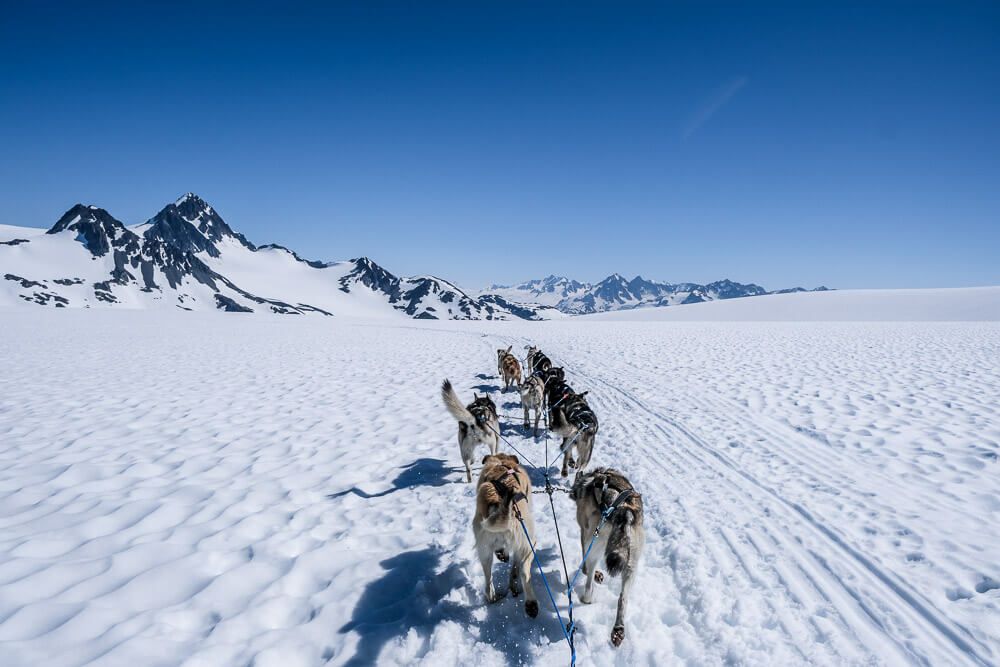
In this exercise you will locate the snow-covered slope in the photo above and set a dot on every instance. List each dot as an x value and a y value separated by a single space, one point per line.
618 293
187 256
209 490
894 305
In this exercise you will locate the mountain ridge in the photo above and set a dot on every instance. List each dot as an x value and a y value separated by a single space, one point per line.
187 256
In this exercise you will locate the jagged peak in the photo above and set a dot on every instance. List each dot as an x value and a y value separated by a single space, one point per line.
84 213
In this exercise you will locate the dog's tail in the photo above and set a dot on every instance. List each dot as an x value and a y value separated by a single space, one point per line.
618 551
454 404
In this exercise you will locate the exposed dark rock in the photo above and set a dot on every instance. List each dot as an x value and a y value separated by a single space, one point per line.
230 306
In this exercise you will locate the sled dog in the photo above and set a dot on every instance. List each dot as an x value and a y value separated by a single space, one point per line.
477 424
532 396
508 367
572 418
554 380
503 494
621 538
537 361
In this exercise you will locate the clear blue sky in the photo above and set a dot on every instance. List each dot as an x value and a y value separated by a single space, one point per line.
787 144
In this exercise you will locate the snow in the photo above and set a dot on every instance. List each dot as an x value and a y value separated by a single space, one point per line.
276 274
221 489
875 305
11 232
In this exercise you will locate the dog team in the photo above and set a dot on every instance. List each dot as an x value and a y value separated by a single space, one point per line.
503 492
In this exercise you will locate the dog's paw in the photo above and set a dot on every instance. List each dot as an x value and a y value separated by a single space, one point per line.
493 596
572 462
531 608
565 473
618 635
501 555
599 576
586 597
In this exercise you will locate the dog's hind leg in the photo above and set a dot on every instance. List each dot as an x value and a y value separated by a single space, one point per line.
618 631
468 453
486 559
566 457
524 406
524 570
584 450
589 567
514 584
538 414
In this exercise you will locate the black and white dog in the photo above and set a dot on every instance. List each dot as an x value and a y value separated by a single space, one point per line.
537 361
604 490
573 419
477 424
570 417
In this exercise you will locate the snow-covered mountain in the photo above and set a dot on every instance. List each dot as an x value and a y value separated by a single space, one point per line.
186 256
618 293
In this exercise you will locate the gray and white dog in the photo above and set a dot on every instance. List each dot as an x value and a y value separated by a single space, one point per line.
571 417
532 399
620 540
477 424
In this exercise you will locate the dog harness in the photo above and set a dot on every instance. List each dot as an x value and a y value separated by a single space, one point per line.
503 490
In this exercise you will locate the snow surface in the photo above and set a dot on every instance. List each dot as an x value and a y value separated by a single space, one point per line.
11 232
225 489
876 305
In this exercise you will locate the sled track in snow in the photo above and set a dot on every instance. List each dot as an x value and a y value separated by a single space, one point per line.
906 609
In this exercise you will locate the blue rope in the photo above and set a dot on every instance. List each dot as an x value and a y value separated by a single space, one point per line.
567 632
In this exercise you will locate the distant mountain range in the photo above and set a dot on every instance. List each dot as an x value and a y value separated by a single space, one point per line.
186 256
618 293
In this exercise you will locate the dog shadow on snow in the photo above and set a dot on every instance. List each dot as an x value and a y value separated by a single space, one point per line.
422 472
413 596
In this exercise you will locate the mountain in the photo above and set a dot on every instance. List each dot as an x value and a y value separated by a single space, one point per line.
618 293
186 256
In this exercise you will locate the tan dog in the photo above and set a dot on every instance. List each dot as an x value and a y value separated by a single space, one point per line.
508 367
503 493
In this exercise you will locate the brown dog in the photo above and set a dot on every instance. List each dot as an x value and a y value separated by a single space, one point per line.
508 367
503 500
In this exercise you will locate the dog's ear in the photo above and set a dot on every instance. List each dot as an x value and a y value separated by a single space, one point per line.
516 460
509 349
475 396
486 458
600 486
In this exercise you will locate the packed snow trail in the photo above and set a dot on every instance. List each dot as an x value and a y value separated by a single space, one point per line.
223 490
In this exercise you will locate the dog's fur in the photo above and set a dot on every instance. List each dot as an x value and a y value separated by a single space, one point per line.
554 380
477 424
508 367
621 540
573 419
532 397
537 361
503 491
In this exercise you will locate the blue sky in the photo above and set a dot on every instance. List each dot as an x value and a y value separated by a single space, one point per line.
852 145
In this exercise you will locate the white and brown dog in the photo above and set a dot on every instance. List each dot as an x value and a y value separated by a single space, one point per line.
503 501
477 424
532 399
604 490
508 367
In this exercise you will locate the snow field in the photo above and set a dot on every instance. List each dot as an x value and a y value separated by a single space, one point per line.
209 489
